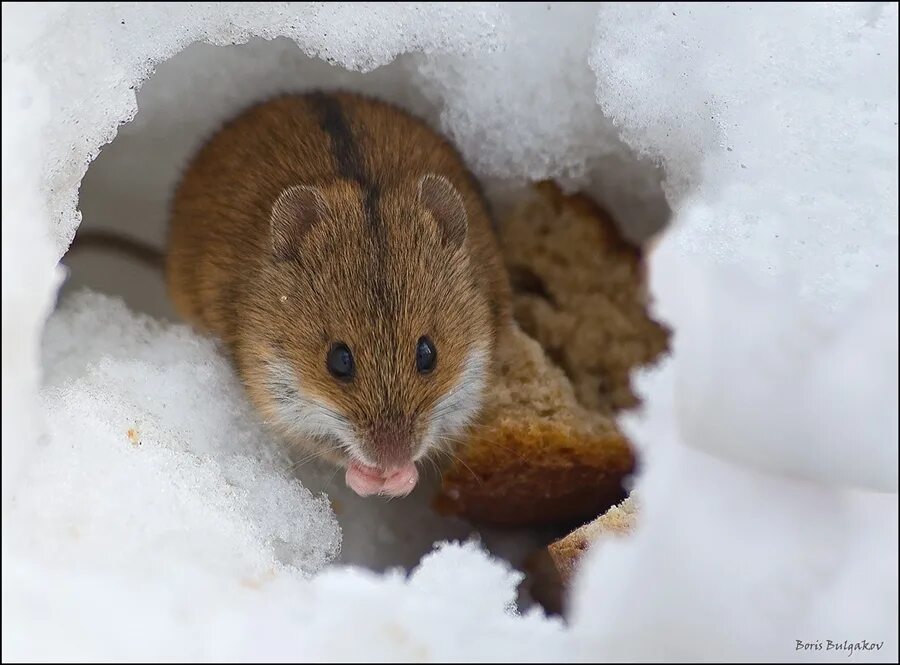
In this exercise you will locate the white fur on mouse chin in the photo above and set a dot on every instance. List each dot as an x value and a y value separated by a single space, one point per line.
303 415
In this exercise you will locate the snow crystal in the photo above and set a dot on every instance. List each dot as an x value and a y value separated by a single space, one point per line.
146 513
341 615
777 129
133 405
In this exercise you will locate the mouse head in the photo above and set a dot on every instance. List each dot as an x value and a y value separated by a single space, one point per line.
381 343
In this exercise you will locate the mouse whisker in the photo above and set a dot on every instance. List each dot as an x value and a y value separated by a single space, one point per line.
459 440
436 467
306 459
334 474
458 459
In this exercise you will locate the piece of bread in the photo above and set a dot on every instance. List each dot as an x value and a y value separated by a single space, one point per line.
538 456
580 291
547 449
616 522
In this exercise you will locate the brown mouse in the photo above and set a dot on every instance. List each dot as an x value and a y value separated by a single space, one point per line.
344 255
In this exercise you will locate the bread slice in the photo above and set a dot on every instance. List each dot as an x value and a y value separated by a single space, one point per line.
547 449
616 522
580 291
538 457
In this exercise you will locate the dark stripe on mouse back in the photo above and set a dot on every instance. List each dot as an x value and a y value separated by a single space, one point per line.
381 253
348 160
344 148
350 165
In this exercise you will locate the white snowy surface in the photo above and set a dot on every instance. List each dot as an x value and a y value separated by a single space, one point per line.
769 436
157 406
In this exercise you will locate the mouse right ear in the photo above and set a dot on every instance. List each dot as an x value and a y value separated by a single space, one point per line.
294 213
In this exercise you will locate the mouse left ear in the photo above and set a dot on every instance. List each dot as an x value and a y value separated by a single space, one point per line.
294 213
444 202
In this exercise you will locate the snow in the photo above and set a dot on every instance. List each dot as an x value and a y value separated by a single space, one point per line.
769 488
729 559
828 392
158 406
340 615
777 129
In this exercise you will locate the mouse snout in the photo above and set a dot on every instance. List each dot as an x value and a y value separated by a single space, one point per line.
388 467
390 444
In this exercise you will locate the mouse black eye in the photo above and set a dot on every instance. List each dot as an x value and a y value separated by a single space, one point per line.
340 362
426 355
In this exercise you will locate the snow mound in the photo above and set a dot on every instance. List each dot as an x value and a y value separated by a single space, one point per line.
132 405
343 614
777 129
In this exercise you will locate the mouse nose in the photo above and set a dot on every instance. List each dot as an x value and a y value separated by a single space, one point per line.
390 443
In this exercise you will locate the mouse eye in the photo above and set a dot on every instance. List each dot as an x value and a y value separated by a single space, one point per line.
340 362
426 355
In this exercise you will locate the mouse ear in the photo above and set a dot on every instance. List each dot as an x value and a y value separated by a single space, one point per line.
294 213
443 201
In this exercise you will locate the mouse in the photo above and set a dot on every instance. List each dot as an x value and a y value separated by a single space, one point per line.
345 258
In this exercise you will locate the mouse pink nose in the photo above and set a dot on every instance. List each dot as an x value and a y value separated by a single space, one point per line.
390 444
367 480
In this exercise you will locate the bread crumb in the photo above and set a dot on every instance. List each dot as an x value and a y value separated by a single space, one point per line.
616 522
